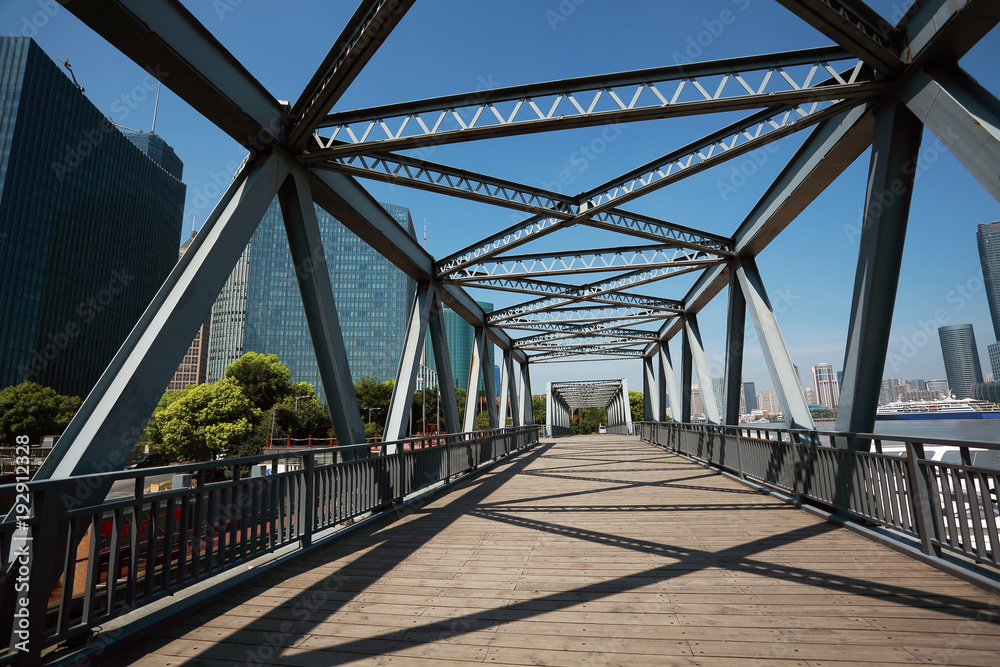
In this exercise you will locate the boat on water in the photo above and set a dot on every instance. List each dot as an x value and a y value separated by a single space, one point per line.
948 408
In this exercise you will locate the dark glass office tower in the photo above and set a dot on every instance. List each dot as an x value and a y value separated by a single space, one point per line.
961 358
260 307
89 227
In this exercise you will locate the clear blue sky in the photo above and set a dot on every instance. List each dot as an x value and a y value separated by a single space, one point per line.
453 46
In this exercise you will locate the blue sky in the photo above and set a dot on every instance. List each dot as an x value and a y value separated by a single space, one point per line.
456 46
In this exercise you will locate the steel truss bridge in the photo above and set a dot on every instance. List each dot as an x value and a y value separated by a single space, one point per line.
877 87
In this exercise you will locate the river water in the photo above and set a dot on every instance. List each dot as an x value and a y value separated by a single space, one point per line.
969 430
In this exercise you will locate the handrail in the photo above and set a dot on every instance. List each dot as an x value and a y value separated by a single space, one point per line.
938 508
148 545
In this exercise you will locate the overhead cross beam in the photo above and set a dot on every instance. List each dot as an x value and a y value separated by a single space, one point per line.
798 77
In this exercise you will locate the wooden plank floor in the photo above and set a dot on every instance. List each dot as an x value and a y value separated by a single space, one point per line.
594 550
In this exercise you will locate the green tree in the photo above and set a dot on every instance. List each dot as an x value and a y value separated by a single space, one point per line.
636 402
262 377
590 419
538 409
35 411
207 421
373 400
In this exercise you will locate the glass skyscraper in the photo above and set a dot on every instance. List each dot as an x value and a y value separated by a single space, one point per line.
827 388
260 307
89 227
988 240
961 358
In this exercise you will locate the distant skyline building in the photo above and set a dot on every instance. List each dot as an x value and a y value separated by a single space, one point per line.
988 240
810 395
260 306
938 385
749 398
193 368
719 389
825 382
767 400
961 358
90 227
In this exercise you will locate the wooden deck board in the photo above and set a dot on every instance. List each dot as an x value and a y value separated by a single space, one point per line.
593 550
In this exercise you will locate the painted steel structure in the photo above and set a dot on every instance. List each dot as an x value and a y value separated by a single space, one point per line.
878 86
562 398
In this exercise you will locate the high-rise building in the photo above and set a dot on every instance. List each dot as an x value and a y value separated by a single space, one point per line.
810 395
461 339
994 351
988 240
940 386
89 227
719 389
827 389
749 398
260 307
193 368
697 404
961 358
767 400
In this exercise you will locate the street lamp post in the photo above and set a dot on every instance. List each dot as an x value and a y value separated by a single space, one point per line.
297 401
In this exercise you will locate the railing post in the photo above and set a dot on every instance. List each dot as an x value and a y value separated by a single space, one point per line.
920 495
798 467
309 505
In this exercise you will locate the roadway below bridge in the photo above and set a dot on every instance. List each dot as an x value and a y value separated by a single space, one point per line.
592 550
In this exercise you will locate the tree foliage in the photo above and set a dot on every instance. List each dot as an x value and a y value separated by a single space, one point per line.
538 409
636 401
207 421
590 419
262 377
35 411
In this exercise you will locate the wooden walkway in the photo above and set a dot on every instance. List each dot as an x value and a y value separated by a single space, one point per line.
594 550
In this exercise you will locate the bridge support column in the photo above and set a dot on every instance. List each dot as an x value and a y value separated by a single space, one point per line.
779 363
527 409
480 368
735 329
685 374
668 385
693 335
409 365
887 207
508 391
650 408
442 359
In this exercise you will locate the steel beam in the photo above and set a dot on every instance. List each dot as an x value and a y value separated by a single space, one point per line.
779 363
108 424
650 410
668 385
856 27
887 206
166 40
409 364
527 407
686 372
735 329
965 117
701 88
367 29
313 276
476 365
442 359
700 361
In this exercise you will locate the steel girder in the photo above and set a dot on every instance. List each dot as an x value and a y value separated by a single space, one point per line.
855 26
582 261
401 401
163 37
586 393
364 33
733 84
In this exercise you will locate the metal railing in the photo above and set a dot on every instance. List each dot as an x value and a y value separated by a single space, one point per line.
944 506
622 429
73 564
